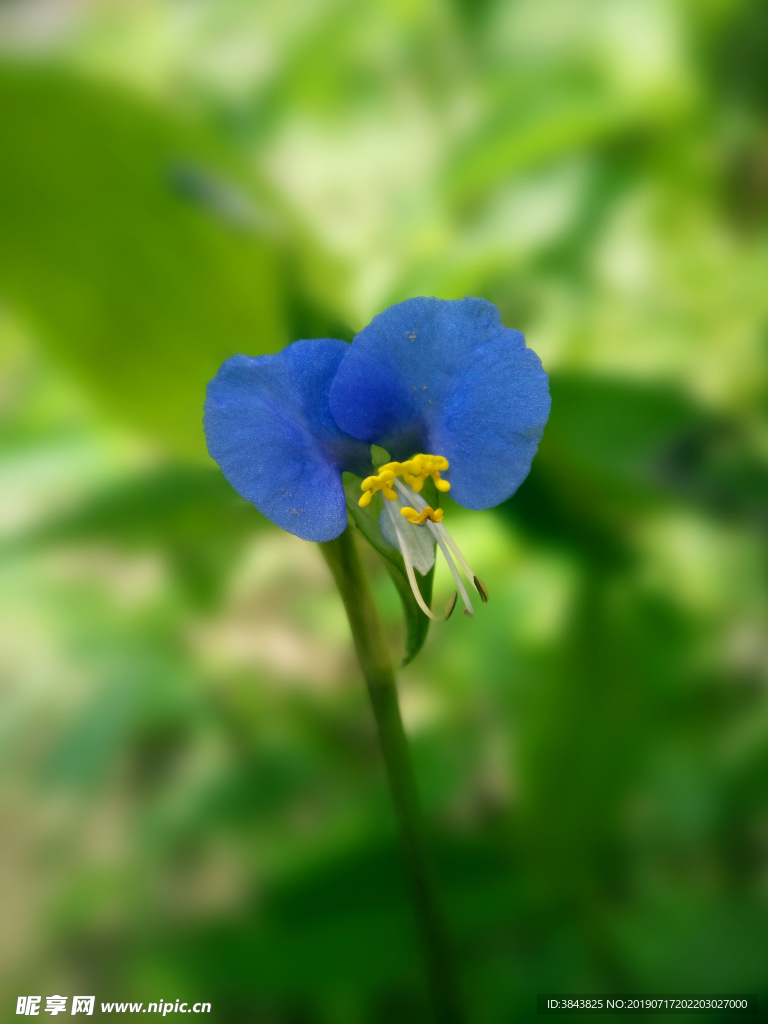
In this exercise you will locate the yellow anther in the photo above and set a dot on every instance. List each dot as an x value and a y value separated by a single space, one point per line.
414 471
381 482
434 515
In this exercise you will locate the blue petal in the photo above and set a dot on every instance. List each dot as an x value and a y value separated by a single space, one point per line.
268 425
448 378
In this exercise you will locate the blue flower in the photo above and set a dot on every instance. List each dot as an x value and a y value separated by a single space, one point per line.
442 385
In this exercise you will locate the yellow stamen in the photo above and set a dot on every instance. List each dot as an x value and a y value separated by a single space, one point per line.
414 471
434 515
381 482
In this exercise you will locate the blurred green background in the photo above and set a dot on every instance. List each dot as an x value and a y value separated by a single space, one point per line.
192 799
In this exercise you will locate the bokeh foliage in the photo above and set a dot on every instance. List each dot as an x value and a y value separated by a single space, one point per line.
122 275
190 783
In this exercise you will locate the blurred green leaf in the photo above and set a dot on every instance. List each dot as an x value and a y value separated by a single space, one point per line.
607 450
168 505
144 693
612 447
342 925
139 291
190 513
532 129
617 432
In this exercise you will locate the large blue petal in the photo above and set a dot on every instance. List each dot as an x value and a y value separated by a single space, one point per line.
448 378
268 425
492 424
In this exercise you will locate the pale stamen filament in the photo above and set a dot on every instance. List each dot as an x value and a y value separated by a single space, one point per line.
455 549
409 495
441 533
412 577
420 504
477 583
468 610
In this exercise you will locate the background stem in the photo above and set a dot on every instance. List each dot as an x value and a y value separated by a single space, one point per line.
376 664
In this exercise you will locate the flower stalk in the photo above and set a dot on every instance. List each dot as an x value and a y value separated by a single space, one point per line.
374 658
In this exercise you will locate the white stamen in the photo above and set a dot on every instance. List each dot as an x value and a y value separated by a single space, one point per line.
439 532
420 543
454 571
455 549
410 496
412 577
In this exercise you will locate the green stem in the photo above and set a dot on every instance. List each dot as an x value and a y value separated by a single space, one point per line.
375 662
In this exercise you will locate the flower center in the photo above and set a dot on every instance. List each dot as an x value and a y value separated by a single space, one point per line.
415 471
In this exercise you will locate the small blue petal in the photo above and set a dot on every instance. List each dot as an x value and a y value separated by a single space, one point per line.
448 378
268 425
